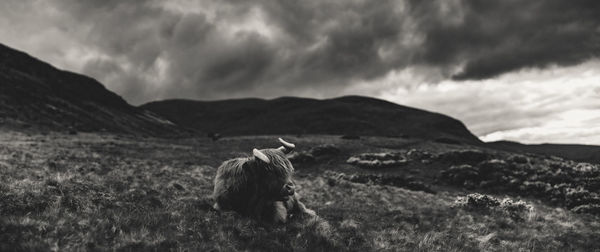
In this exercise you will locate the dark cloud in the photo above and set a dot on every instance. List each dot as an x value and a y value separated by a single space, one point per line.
150 49
496 37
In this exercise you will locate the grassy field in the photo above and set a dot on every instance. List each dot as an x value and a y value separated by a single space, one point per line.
106 192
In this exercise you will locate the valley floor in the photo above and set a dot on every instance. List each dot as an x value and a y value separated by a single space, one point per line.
107 192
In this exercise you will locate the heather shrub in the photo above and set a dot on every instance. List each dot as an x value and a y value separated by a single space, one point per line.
459 174
378 160
489 204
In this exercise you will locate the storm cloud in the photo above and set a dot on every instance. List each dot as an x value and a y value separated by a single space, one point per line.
148 49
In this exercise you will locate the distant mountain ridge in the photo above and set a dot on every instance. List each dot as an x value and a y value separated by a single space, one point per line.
348 115
35 94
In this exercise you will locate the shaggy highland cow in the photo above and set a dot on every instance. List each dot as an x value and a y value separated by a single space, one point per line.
260 186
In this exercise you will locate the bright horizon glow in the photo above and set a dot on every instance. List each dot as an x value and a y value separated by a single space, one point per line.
554 105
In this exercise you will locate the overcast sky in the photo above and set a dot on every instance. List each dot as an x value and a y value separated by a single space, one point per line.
517 70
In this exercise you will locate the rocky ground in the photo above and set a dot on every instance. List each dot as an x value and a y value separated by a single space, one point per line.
101 192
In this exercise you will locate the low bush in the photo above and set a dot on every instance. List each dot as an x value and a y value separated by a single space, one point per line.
379 179
314 154
378 160
489 204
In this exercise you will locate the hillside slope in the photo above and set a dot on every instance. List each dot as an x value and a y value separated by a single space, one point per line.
36 94
350 115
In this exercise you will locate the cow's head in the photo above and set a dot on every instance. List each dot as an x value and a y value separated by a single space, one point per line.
275 171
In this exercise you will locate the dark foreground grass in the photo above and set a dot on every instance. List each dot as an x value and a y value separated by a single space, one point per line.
103 192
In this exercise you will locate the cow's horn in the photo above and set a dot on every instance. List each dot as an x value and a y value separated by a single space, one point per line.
258 154
287 147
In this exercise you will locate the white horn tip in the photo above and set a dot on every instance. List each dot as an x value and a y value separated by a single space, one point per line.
258 154
286 144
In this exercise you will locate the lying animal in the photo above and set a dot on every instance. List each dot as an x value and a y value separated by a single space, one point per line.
260 186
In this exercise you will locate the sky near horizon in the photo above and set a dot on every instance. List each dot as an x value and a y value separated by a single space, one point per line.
526 71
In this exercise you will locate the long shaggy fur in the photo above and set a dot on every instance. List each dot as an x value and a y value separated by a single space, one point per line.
252 187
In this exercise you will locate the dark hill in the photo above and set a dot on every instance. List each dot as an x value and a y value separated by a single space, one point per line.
350 115
36 94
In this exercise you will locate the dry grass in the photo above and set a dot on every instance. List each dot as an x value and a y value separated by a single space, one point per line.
105 192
